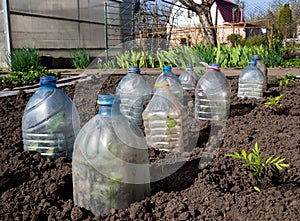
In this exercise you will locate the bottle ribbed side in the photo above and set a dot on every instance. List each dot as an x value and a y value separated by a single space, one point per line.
251 90
105 169
50 124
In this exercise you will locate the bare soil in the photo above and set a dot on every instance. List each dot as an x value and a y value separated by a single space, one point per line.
36 188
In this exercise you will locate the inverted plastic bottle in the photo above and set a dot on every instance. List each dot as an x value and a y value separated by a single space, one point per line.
173 82
134 92
212 95
262 67
165 121
110 166
188 79
50 122
251 82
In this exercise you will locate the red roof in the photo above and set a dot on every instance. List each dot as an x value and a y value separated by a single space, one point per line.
226 9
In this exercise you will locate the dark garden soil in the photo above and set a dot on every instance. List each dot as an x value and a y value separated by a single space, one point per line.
36 188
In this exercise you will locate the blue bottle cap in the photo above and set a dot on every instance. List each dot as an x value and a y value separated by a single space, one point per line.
189 68
134 69
255 57
167 68
106 99
214 67
49 81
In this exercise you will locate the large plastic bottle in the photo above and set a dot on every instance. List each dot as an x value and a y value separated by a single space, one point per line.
173 82
262 67
165 121
110 166
134 92
50 122
251 82
212 95
188 79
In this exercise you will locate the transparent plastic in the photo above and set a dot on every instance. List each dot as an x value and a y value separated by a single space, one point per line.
251 82
110 165
173 82
188 79
134 92
262 67
165 121
50 122
212 95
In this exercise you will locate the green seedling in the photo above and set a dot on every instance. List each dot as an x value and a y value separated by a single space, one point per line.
287 80
255 161
108 194
274 103
171 123
56 122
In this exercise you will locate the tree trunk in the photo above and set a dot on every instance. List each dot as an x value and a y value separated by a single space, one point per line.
203 11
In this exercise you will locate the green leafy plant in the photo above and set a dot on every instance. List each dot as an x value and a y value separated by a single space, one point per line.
274 103
292 63
255 160
80 58
110 64
21 78
23 59
287 80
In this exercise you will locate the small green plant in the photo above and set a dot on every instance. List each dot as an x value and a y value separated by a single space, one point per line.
80 58
23 59
274 103
287 80
292 63
255 160
21 78
110 64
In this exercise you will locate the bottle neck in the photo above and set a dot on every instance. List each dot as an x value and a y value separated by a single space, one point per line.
109 109
252 63
48 82
105 110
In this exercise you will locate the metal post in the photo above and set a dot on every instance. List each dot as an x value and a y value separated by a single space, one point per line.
105 31
7 27
78 15
132 19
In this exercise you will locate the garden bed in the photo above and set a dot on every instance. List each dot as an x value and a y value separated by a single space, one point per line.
36 188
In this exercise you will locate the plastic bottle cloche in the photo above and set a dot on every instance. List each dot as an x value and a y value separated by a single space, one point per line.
165 120
110 165
212 95
251 82
50 122
188 79
173 81
134 92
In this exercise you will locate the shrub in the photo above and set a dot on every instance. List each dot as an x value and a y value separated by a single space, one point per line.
256 40
235 39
